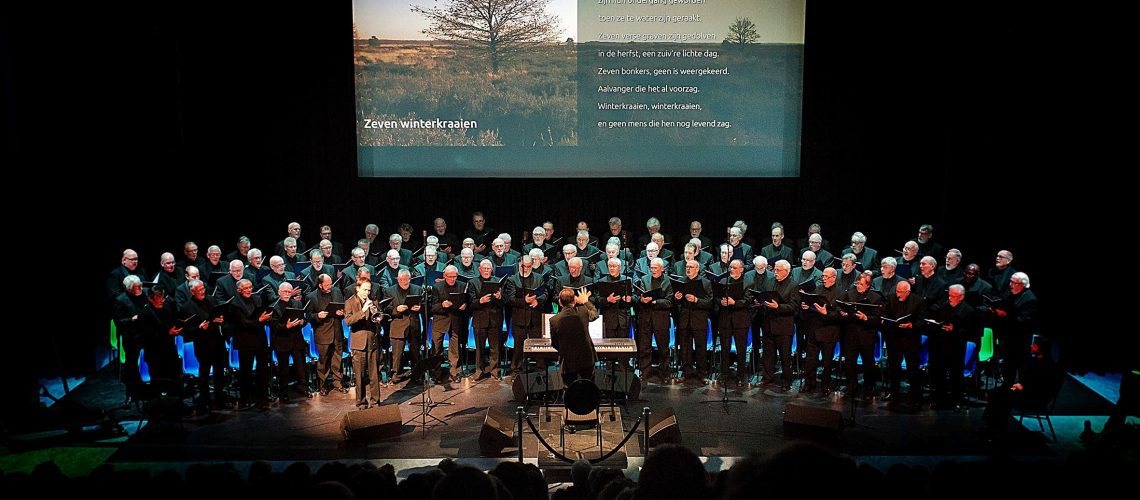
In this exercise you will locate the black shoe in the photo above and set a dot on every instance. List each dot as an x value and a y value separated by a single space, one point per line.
497 377
342 390
362 404
324 392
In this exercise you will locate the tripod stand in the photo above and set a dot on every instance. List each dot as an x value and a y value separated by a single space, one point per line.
426 404
724 400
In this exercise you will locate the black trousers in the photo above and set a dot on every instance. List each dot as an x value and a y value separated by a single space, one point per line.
816 348
211 355
299 366
693 340
646 331
740 337
861 344
947 355
329 358
905 348
521 333
781 344
249 383
493 337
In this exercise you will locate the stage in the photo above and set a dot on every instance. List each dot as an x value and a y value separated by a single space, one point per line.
311 430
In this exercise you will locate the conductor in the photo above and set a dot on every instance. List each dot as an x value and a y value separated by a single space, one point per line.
569 334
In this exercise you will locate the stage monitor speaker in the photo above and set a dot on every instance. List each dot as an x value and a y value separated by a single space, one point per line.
621 381
378 422
536 383
663 428
498 433
812 422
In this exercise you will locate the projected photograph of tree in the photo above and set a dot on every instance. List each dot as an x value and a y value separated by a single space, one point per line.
464 73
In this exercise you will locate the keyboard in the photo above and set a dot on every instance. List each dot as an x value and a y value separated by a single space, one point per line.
604 347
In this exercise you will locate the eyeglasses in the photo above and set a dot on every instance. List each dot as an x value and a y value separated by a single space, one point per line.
132 259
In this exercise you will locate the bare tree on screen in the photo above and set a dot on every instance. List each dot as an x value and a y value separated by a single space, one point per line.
498 27
742 31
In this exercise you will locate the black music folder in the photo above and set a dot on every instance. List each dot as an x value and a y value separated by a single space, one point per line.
333 307
694 287
292 313
733 289
220 308
813 299
620 288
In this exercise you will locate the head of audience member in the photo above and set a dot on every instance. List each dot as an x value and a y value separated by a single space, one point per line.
130 260
671 472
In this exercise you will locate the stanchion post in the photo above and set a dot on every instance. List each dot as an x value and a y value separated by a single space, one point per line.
520 413
645 442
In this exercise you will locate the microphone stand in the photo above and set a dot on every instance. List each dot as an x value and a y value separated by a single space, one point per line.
724 386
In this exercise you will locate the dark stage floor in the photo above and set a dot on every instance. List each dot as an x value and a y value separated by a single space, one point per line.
311 429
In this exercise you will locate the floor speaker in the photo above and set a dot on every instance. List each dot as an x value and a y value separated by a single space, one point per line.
536 383
378 422
498 433
620 381
663 428
812 422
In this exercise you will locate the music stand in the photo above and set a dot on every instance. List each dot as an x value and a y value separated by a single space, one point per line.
424 368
